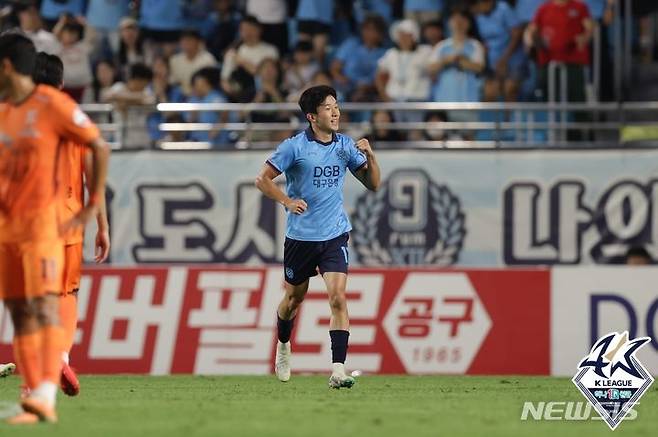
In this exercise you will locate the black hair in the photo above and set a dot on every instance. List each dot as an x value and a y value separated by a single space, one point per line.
48 70
639 251
441 114
123 49
433 23
75 27
20 51
313 97
140 71
191 33
375 20
304 46
464 11
211 74
251 20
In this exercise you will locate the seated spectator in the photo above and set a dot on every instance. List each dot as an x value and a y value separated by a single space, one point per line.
561 32
457 62
402 72
128 98
269 89
241 62
163 90
302 69
52 10
30 23
162 22
132 49
273 17
355 64
224 27
192 57
106 76
314 21
104 17
435 133
501 34
433 32
75 53
422 11
205 89
383 134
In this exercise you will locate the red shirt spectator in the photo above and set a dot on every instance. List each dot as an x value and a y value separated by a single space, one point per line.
563 28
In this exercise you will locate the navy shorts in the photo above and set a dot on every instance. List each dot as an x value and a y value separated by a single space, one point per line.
303 259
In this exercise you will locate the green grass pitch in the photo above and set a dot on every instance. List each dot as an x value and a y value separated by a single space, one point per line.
378 406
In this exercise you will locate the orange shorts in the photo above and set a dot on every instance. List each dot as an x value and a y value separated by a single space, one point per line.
72 267
31 269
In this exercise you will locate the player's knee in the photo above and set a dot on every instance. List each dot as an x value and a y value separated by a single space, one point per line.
47 310
296 300
338 301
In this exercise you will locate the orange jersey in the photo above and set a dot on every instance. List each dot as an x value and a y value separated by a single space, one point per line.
71 181
31 136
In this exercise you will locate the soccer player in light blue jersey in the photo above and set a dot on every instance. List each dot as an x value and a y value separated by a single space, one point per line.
315 163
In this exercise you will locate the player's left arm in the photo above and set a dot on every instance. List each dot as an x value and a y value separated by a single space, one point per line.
369 174
102 242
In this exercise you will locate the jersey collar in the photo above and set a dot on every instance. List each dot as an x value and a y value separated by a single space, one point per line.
311 137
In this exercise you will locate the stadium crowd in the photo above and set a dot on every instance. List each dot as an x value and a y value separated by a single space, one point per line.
141 52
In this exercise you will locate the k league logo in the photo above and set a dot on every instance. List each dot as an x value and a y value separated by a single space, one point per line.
410 220
612 378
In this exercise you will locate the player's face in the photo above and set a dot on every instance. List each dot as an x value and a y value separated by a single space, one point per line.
328 115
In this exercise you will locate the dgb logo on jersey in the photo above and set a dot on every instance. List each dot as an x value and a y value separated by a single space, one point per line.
612 378
411 220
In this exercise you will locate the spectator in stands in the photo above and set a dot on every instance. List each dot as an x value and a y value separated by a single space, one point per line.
104 17
301 70
561 32
355 64
433 32
638 256
242 61
127 98
602 12
192 57
132 49
423 11
52 10
501 34
273 17
106 76
76 55
457 62
205 89
31 24
383 134
402 74
161 22
163 90
269 89
314 21
224 24
435 133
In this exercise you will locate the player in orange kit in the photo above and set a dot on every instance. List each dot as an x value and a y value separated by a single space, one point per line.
74 166
34 121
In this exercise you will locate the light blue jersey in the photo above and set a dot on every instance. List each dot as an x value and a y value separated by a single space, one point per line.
315 172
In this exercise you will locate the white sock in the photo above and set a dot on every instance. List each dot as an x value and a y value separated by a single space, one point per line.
47 391
65 358
338 368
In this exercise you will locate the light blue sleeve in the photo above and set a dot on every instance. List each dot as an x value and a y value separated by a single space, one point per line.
509 16
356 159
283 157
346 50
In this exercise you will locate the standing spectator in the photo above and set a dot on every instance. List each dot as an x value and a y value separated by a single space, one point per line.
433 32
423 11
458 61
402 72
501 33
241 62
355 64
51 10
602 12
106 76
132 49
31 25
272 15
205 83
104 17
314 20
76 56
224 27
128 97
161 22
302 69
192 57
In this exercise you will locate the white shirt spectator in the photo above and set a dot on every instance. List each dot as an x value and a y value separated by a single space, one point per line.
268 11
182 68
254 54
133 118
45 41
407 71
77 65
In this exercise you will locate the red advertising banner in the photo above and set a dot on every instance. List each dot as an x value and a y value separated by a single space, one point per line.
221 320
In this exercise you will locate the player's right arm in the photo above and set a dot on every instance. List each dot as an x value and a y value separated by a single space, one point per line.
265 183
102 241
